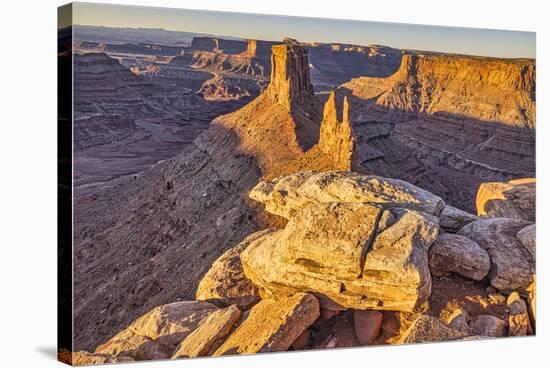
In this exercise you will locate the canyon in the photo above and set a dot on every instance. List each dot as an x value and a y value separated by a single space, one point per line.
183 152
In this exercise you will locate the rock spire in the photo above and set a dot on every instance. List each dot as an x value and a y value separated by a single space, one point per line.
290 81
336 138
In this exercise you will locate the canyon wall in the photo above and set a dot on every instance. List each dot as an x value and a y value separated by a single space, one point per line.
447 123
485 89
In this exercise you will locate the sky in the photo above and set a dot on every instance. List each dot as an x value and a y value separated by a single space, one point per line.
470 41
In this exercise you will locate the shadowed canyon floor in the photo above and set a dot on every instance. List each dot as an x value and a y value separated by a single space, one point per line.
177 162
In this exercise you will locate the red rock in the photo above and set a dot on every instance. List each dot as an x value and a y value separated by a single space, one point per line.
302 341
367 325
329 313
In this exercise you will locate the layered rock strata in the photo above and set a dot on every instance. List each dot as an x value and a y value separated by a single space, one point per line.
348 250
447 123
287 195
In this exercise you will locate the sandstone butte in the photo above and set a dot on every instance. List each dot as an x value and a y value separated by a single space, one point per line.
348 242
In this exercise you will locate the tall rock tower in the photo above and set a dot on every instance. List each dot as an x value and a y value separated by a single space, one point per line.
290 82
336 138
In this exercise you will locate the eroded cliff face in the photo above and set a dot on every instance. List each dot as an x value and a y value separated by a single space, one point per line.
447 123
290 81
489 90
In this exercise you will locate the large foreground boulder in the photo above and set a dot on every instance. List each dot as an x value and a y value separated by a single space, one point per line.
512 266
352 255
286 195
272 325
225 283
515 199
452 253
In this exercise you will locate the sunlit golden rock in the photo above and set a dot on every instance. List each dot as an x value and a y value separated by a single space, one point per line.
272 325
225 283
356 255
286 195
201 341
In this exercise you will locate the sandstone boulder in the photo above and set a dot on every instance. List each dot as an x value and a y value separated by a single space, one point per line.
486 325
225 283
512 266
429 329
287 195
156 334
357 255
367 325
528 237
211 329
452 253
515 199
453 219
518 320
272 325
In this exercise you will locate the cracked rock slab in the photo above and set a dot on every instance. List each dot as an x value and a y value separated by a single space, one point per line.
286 195
156 334
356 255
453 219
272 325
515 199
213 328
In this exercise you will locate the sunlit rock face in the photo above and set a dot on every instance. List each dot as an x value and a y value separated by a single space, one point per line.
290 80
447 123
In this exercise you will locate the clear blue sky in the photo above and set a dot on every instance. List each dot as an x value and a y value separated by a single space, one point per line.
470 41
